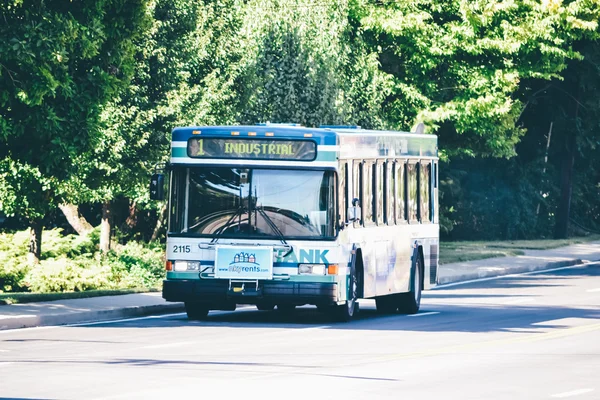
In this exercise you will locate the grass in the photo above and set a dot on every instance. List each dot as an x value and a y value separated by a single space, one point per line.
451 252
14 298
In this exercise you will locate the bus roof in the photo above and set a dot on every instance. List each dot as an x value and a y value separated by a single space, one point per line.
333 142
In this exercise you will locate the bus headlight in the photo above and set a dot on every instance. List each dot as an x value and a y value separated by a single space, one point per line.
186 266
311 269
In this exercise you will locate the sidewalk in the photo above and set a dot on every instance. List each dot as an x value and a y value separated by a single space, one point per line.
137 305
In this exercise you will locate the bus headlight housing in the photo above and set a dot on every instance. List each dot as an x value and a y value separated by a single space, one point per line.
181 266
312 269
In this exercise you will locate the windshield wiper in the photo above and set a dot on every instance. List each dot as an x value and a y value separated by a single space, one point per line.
276 230
221 230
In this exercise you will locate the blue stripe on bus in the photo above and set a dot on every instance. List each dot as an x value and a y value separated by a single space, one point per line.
326 156
178 152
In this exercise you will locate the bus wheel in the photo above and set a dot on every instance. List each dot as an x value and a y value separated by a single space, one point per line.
409 303
265 307
350 308
196 311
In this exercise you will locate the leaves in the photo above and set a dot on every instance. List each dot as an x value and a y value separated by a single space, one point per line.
461 62
60 64
89 91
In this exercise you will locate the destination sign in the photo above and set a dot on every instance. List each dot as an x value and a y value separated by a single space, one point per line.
253 149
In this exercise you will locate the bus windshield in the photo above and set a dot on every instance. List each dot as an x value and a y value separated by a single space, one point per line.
252 203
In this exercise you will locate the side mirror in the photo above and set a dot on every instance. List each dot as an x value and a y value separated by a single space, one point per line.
157 187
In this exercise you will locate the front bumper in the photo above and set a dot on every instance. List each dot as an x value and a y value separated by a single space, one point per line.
215 292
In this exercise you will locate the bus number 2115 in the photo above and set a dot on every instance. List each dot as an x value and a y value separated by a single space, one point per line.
182 248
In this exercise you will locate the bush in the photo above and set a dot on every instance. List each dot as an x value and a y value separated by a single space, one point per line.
72 263
12 274
13 263
65 275
54 244
137 266
494 200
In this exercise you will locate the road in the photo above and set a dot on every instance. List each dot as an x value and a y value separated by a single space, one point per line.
526 337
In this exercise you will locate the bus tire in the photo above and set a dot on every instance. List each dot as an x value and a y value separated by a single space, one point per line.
347 311
196 311
409 303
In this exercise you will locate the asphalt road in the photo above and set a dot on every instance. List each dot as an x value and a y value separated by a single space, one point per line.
527 337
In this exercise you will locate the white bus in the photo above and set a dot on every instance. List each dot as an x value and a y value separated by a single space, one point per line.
280 215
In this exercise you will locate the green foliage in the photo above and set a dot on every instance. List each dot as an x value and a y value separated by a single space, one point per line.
136 266
27 189
71 263
68 275
57 245
89 92
305 64
569 108
59 63
457 65
13 266
12 275
494 199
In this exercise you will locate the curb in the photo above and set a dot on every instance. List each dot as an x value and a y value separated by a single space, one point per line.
479 273
32 321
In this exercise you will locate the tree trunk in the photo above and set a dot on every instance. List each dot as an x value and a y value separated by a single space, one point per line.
105 225
563 212
35 242
159 222
75 219
131 220
537 211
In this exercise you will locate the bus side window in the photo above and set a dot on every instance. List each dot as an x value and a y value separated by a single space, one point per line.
388 183
357 184
424 193
343 194
177 200
413 193
400 198
368 189
435 202
379 211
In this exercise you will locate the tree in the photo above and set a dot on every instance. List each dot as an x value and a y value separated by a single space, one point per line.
571 105
457 65
180 77
60 62
460 67
304 63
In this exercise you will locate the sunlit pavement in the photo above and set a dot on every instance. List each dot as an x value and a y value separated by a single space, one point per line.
525 337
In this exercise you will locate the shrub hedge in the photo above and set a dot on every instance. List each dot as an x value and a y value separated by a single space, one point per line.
72 263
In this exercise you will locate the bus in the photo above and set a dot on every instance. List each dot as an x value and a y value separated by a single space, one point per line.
282 215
